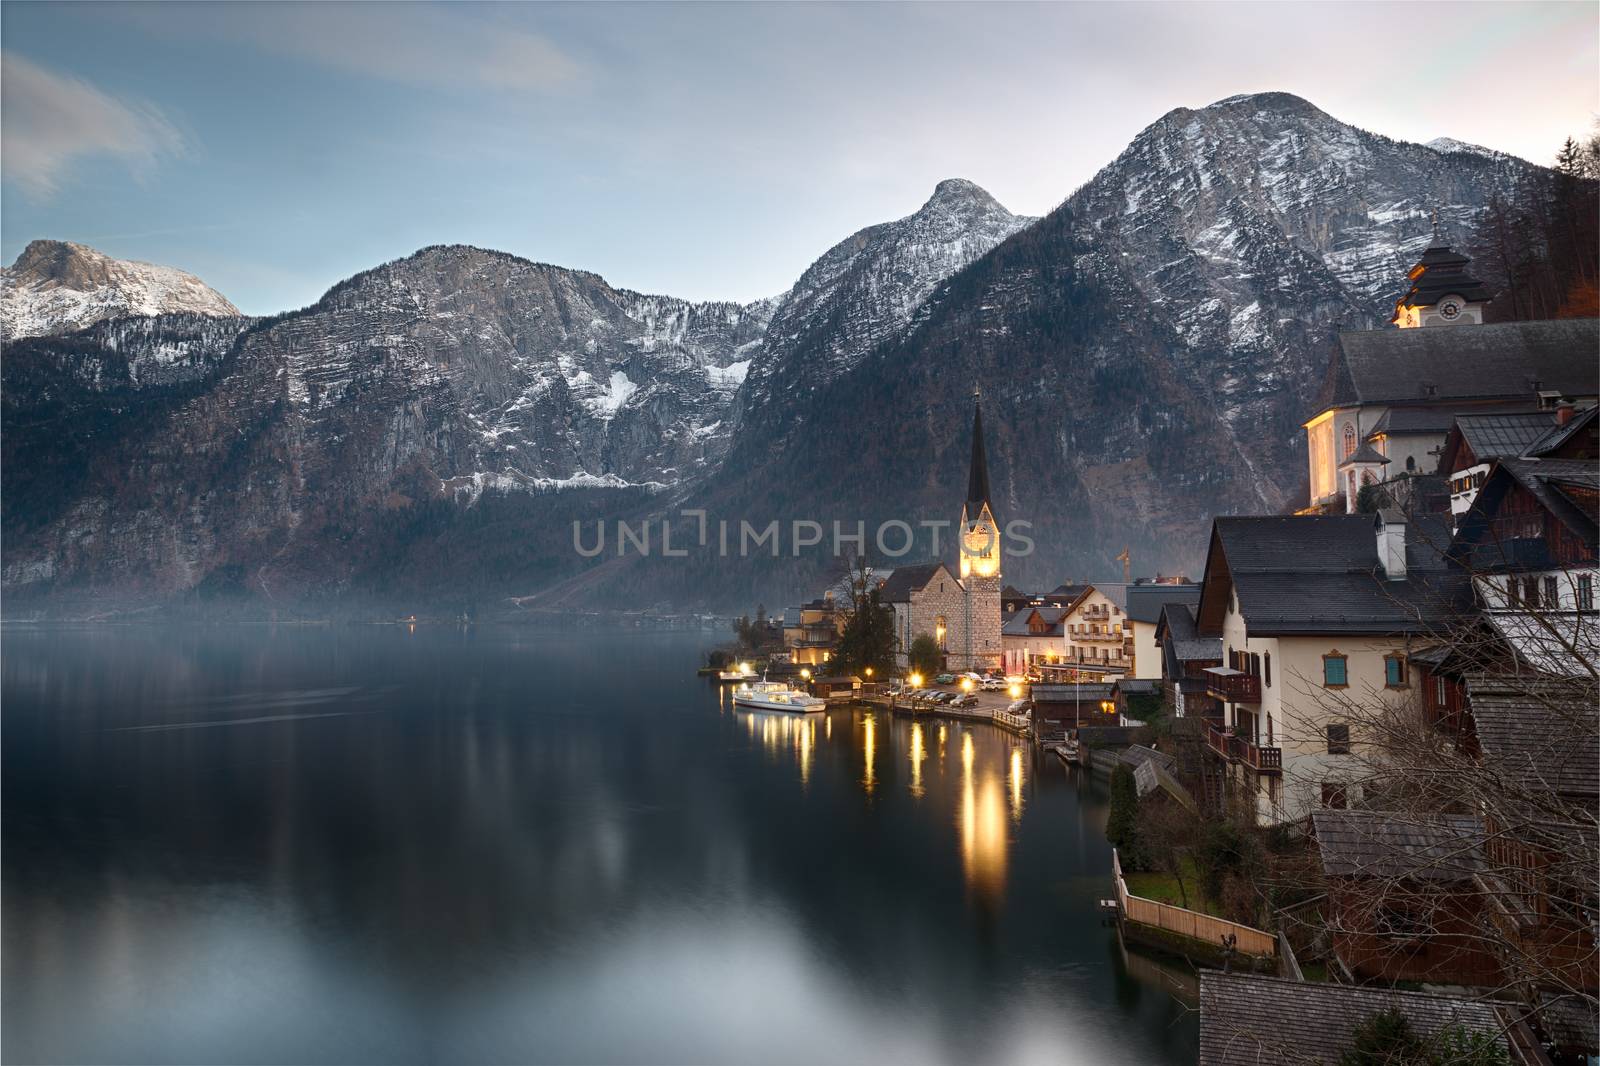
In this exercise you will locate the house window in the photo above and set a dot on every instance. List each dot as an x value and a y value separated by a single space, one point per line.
1530 592
1585 592
1411 464
1334 672
1339 739
1438 692
1394 671
1334 796
1552 597
1349 440
1266 663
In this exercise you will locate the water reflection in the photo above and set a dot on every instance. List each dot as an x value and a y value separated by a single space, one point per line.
983 827
490 858
917 755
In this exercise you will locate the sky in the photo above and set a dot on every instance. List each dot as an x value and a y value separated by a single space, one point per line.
704 151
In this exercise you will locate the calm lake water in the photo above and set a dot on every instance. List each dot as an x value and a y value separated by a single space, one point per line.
365 844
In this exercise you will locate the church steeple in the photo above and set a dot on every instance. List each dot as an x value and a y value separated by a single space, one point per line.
1442 293
978 476
980 533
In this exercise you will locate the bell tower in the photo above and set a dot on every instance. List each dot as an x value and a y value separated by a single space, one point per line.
1442 293
980 558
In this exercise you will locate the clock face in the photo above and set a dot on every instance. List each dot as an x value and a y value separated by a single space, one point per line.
1449 309
979 539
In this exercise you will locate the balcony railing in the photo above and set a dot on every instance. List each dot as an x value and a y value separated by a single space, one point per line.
1233 686
1238 749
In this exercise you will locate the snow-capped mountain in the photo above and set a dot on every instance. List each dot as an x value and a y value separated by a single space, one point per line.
432 427
57 287
865 291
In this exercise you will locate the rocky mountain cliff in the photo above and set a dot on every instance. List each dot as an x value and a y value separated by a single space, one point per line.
1147 352
863 292
57 287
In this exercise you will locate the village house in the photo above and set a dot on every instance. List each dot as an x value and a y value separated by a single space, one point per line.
1098 642
1317 616
1529 541
1390 395
1475 441
1405 901
811 631
1033 636
961 611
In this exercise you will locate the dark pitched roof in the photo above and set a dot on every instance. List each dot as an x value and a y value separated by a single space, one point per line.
1012 593
1365 454
1068 593
1186 645
1139 753
905 580
1444 363
1581 422
1494 436
1319 574
1088 692
1145 601
1247 1020
1446 847
978 475
1017 624
1544 732
1400 421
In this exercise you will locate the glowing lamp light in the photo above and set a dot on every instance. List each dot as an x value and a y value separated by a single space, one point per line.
806 674
1107 706
916 680
966 684
869 671
1016 692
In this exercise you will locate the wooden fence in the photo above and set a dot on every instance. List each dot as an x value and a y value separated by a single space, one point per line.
1193 924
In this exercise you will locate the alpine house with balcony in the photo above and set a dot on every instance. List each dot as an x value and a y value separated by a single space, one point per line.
1317 616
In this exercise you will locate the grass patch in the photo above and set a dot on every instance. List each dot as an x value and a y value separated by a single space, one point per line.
1163 888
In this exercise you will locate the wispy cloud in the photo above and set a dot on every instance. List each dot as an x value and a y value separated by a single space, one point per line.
452 46
49 121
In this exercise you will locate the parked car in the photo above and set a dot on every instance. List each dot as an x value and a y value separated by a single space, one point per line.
968 700
1021 707
992 684
945 679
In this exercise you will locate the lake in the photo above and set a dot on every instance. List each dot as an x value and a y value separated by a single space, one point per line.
385 844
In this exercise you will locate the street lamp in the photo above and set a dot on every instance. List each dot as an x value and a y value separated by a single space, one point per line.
806 674
916 680
966 684
1016 692
869 671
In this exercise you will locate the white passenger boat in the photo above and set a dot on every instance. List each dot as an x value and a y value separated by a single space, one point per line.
776 696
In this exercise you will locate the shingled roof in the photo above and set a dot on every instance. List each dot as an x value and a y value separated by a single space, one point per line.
1187 646
1246 1020
1017 624
1494 436
1510 360
905 580
1558 436
1319 574
1541 732
1446 847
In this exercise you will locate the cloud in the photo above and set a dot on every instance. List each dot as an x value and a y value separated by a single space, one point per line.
49 121
456 46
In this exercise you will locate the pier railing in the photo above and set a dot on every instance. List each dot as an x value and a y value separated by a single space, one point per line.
1248 939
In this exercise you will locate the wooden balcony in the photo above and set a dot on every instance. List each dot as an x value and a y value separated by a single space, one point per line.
1237 749
1233 686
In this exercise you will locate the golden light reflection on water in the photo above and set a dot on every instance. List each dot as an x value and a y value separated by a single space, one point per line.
983 826
1016 784
869 729
917 755
778 733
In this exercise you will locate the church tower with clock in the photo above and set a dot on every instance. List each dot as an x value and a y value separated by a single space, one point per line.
979 538
1441 293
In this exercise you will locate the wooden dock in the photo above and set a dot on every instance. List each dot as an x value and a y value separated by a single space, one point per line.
1013 723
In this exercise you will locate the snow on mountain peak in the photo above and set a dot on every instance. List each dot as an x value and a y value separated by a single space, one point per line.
60 286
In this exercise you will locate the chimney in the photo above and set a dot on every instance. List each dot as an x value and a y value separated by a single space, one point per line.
1564 412
1391 527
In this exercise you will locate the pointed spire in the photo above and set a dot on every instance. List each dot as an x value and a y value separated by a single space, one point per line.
978 477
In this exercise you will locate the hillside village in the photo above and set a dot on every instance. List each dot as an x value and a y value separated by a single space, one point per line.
1383 704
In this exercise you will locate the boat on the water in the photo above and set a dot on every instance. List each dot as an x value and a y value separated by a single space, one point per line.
740 672
776 696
